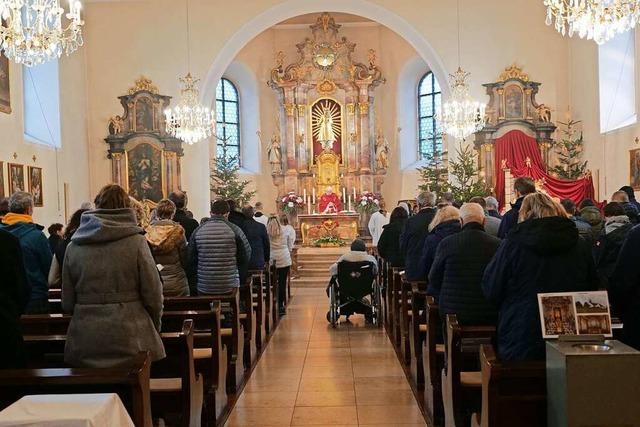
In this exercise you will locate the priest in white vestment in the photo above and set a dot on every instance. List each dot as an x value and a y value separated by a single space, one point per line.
378 220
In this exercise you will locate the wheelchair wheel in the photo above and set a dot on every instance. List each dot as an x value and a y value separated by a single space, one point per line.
332 314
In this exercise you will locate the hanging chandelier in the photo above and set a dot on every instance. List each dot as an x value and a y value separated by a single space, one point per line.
598 20
461 115
189 121
31 31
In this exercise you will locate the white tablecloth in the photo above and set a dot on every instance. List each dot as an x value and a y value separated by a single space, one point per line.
67 410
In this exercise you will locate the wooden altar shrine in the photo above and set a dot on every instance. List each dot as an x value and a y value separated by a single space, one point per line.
325 129
344 226
145 160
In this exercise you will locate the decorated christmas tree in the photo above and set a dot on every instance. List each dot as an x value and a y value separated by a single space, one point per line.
569 150
434 175
467 182
225 182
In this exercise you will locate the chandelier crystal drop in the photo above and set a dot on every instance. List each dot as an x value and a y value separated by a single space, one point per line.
189 121
598 20
461 115
32 31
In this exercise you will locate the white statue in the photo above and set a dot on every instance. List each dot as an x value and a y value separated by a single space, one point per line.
382 151
275 154
325 129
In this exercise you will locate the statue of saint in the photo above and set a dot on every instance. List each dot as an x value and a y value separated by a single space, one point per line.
329 202
275 154
382 151
326 136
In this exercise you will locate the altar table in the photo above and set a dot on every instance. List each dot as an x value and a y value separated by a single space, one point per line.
314 226
67 410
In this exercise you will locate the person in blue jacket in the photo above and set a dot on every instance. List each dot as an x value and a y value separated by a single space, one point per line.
36 252
523 186
543 253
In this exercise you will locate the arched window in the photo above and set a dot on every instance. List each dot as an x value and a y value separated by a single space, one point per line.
429 133
41 89
228 119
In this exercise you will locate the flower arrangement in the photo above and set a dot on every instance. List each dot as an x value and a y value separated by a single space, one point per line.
368 202
329 241
291 202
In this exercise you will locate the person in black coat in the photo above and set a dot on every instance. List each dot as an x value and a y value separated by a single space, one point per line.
258 240
415 231
456 272
179 198
624 288
607 247
632 196
14 295
523 186
630 209
236 217
55 236
389 243
445 223
543 253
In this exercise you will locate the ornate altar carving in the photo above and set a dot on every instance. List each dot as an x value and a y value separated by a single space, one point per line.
512 105
145 160
313 227
328 167
326 82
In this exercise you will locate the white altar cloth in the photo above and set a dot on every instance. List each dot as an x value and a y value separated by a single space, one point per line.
67 410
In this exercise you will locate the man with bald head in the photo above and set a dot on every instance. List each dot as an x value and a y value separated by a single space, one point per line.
456 273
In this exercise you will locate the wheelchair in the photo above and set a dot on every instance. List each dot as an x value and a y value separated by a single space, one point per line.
347 292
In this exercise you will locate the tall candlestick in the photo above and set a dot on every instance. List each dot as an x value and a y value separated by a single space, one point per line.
344 195
314 195
308 200
354 194
350 202
304 194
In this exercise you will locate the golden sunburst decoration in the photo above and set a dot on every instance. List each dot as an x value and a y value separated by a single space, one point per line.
326 124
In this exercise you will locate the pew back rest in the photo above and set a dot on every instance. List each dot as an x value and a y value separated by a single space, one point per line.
513 393
434 337
45 324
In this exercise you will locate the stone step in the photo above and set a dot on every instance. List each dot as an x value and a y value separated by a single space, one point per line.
323 258
316 262
304 271
309 282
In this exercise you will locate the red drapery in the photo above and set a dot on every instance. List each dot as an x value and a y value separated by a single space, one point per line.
523 158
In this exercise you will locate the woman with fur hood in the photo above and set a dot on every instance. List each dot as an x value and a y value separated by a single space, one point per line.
169 248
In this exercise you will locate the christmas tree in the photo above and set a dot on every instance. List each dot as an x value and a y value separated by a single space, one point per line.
569 150
465 170
434 175
225 183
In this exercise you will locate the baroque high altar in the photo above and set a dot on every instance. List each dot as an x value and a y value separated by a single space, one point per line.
327 134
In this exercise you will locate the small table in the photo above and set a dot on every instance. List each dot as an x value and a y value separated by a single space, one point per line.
67 410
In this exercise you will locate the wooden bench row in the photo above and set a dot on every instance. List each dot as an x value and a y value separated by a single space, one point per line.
211 344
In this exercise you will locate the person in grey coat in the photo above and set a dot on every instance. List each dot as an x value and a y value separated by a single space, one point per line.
169 248
111 285
219 253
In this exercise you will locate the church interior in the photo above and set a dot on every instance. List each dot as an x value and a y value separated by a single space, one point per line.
336 126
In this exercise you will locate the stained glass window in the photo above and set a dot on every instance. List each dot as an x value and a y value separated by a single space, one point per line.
227 119
429 132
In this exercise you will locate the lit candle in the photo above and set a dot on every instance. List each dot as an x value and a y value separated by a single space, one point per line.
354 193
350 203
313 190
308 200
344 195
304 195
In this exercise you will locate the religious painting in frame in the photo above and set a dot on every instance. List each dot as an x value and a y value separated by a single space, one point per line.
144 115
634 169
5 92
16 178
145 178
326 127
2 194
35 185
513 102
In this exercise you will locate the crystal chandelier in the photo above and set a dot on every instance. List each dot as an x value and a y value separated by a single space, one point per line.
31 31
461 115
189 120
598 20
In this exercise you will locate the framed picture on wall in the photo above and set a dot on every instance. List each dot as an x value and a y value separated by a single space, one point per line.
35 185
2 194
16 178
634 168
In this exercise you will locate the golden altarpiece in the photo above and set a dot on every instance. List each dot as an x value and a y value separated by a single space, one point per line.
327 131
145 160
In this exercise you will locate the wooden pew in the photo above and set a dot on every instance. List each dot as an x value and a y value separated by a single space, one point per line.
231 336
513 393
207 354
247 321
258 304
130 383
396 283
405 319
418 330
55 293
462 381
433 360
273 284
175 388
268 301
45 324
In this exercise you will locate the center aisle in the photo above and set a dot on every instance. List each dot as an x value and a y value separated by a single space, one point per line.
311 374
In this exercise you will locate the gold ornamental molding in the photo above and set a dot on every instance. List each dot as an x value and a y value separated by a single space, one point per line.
513 72
289 108
326 87
143 84
351 108
301 109
363 107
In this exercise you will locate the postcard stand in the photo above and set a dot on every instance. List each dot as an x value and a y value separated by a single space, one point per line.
592 381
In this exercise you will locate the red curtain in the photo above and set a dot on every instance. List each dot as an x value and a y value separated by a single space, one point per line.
522 156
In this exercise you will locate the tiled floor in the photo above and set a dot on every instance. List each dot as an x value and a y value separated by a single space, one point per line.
311 374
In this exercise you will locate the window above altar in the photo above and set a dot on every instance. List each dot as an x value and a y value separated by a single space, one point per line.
429 101
616 73
228 120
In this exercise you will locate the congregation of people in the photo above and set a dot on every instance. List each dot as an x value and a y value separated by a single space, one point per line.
487 268
114 270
